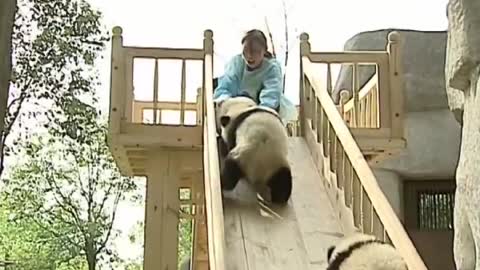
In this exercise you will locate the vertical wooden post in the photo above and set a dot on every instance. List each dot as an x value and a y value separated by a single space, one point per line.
355 91
117 83
208 49
199 106
130 113
200 242
155 95
161 211
397 90
304 51
213 199
344 97
183 93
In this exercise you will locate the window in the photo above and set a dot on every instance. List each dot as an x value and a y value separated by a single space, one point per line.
429 204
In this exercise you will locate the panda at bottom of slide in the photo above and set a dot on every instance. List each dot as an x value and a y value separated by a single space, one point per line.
257 142
364 252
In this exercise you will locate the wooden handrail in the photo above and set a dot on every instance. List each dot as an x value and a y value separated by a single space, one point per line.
164 53
213 197
132 109
389 219
363 93
367 107
359 57
345 164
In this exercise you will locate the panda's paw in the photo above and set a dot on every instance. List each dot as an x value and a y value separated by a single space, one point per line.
281 186
231 174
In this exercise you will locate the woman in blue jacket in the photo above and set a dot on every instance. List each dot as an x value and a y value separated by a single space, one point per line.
257 74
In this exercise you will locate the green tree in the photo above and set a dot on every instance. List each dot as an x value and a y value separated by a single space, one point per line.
55 44
67 187
70 187
185 236
30 247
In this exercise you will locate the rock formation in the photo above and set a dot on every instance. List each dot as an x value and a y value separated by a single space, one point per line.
463 88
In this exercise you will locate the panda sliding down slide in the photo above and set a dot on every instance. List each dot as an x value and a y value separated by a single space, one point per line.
257 148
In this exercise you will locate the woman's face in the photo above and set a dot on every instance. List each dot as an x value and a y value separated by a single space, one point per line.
253 54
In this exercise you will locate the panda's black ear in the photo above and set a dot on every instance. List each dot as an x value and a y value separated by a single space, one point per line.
329 252
224 120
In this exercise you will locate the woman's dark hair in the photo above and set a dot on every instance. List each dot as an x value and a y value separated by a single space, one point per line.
258 37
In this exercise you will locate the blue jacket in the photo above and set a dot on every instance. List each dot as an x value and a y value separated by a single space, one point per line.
263 84
237 80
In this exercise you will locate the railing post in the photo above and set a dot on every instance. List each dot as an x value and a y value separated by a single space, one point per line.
207 49
344 97
397 91
117 83
305 50
213 199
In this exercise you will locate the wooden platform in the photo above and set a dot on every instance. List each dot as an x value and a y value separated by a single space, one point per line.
295 237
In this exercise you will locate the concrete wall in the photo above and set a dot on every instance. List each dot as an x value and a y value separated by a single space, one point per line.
392 186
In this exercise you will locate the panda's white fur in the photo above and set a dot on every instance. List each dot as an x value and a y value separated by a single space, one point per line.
258 148
364 252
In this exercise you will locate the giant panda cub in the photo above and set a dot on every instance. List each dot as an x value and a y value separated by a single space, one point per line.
364 252
257 146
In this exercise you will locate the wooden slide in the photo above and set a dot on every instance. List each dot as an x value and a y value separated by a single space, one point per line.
297 236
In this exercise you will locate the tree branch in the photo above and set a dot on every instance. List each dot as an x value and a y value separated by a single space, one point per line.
79 178
105 198
54 233
271 37
117 199
286 42
71 210
9 124
90 189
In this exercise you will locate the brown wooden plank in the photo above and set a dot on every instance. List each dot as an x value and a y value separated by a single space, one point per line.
317 221
297 236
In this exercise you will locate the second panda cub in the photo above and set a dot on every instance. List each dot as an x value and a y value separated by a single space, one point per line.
257 148
361 251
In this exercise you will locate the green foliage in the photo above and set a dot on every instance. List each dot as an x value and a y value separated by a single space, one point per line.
60 202
30 247
185 234
70 188
185 228
55 44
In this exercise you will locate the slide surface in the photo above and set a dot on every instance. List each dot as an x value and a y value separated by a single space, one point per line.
297 236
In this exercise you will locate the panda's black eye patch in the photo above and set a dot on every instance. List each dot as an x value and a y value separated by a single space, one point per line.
224 120
329 252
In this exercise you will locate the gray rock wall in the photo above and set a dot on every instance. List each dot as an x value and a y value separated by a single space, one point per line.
423 66
463 86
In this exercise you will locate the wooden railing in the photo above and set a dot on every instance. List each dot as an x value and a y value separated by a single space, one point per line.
352 184
362 110
213 197
365 106
135 124
143 112
131 110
